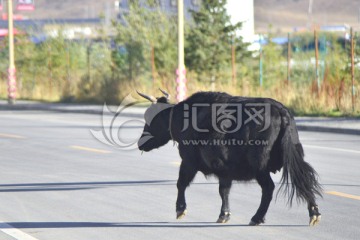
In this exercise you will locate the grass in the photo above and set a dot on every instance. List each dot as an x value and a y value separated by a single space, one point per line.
302 100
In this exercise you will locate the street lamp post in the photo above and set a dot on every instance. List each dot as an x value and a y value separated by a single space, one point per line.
11 69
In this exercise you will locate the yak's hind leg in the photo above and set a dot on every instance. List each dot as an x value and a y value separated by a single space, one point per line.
224 190
186 175
267 186
314 214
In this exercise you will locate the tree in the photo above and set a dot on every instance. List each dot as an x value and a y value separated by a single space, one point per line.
147 37
208 44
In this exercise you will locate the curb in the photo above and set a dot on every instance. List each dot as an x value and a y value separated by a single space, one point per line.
57 108
348 131
63 109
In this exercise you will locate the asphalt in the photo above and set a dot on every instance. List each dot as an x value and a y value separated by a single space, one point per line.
58 182
343 125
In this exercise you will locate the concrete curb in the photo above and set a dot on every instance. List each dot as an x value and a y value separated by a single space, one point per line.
98 110
328 129
81 109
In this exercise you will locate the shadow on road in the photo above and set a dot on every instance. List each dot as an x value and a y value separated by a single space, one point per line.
132 225
71 126
73 186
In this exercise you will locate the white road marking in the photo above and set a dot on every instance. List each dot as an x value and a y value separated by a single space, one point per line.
15 233
333 149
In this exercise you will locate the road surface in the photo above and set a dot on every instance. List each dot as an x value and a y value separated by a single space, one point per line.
59 182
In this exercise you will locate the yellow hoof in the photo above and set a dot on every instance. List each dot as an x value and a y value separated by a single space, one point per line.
222 220
180 214
314 220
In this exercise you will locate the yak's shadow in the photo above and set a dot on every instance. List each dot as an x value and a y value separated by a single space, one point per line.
24 225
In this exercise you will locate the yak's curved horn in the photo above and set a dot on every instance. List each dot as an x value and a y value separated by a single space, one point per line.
166 94
150 98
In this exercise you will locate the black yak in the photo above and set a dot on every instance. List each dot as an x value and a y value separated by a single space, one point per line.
233 138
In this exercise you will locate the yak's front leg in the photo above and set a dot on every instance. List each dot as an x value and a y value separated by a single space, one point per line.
186 175
224 190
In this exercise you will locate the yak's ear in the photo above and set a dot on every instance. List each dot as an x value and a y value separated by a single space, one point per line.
162 100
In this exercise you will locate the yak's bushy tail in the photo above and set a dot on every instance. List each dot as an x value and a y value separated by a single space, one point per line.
299 178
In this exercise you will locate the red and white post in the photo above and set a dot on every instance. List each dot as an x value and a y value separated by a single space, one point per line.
11 69
180 84
11 85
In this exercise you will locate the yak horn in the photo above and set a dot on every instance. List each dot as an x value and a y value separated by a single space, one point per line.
167 95
150 98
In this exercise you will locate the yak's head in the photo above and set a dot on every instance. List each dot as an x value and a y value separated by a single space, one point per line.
156 130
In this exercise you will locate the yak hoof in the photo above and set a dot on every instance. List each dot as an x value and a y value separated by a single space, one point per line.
180 214
224 218
314 219
252 223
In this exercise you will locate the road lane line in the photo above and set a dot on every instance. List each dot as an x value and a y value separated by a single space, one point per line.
332 148
176 163
89 149
345 195
5 135
15 233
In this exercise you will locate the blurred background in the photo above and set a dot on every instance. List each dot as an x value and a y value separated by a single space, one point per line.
304 53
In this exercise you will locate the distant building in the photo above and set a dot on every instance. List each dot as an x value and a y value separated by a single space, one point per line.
169 6
243 11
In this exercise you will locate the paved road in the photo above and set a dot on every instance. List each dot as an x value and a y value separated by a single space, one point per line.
58 182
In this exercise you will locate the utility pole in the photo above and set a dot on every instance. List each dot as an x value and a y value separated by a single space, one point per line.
107 19
288 60
309 24
233 60
181 72
352 49
261 62
11 69
317 75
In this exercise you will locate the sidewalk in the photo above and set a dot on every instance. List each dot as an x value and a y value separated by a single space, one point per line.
22 105
327 124
317 124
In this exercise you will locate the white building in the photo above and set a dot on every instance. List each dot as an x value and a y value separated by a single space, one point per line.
243 11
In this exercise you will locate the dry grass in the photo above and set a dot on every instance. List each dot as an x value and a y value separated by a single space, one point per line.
304 100
330 100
